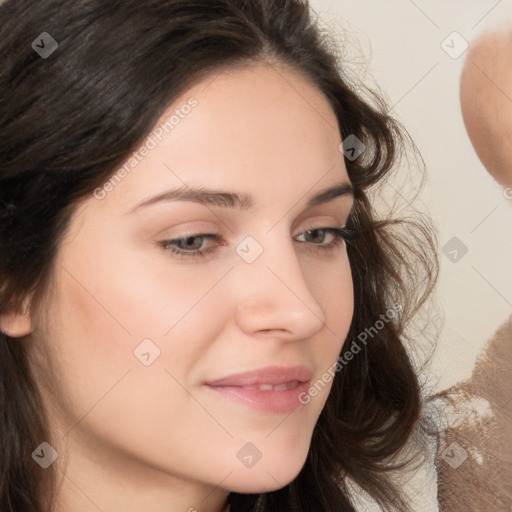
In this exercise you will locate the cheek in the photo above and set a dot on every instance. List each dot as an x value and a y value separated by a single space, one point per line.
340 297
116 300
333 288
339 301
105 390
109 312
89 344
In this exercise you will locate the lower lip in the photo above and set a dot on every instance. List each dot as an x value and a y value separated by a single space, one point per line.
285 400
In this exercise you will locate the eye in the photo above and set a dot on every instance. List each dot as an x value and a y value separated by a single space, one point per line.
188 247
339 234
192 246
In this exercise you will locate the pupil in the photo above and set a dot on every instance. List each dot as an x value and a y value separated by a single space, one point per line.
190 240
314 231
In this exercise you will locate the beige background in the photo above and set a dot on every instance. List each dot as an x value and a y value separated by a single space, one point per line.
400 48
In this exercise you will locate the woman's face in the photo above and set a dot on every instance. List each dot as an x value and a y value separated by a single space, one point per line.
135 332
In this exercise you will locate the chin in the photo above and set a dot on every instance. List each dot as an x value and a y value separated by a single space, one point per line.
272 476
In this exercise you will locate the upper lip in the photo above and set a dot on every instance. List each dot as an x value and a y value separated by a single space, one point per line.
269 375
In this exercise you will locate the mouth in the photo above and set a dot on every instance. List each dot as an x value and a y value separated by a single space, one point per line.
271 389
277 387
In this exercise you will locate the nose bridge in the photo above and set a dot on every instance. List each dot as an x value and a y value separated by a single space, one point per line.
274 292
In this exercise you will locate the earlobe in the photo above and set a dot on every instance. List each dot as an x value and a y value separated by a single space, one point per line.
17 324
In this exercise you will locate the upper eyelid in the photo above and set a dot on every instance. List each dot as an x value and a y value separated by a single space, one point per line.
307 224
206 232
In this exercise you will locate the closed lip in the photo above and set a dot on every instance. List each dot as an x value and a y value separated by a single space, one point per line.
273 375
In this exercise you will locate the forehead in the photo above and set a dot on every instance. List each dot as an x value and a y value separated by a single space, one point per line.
259 128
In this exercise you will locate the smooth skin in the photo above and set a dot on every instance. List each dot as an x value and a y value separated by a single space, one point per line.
152 437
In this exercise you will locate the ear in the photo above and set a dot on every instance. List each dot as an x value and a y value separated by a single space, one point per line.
17 324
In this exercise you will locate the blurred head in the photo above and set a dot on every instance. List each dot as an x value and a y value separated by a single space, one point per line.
177 209
486 101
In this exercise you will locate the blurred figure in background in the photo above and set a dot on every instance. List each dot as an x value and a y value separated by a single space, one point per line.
480 408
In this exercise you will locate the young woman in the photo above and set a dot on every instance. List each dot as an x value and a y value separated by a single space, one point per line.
200 307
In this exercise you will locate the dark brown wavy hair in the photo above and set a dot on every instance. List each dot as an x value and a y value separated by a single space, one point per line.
69 121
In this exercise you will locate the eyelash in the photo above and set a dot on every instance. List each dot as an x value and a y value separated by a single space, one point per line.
341 233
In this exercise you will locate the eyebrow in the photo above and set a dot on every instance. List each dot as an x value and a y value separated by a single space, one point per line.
225 199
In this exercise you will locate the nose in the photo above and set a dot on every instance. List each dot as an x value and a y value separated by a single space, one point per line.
274 296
